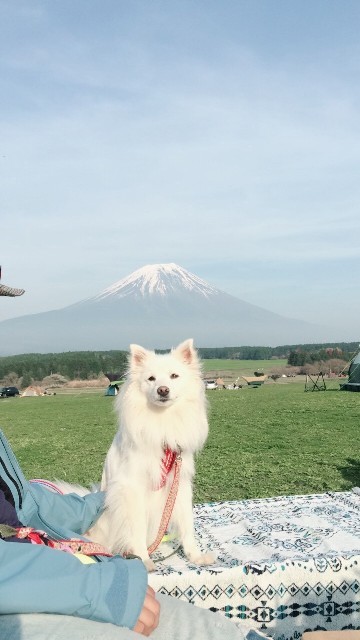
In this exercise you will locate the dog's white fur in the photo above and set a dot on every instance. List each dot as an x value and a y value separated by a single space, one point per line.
162 404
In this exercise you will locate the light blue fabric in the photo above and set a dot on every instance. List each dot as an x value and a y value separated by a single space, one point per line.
39 579
40 508
46 510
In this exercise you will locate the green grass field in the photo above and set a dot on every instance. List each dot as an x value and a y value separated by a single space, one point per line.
273 440
242 367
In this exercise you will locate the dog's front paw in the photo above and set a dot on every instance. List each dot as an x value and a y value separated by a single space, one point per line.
150 565
202 558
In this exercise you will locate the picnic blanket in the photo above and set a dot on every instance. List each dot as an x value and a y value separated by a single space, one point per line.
284 565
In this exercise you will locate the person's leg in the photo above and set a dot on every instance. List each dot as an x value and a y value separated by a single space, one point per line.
178 621
45 626
182 621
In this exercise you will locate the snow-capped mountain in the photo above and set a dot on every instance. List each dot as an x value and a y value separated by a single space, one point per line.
157 279
156 306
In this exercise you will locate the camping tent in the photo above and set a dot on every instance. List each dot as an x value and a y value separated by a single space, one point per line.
254 381
353 383
30 392
113 388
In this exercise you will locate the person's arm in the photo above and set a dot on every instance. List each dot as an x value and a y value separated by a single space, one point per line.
60 515
37 579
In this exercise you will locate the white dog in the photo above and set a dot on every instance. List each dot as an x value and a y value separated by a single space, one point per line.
162 416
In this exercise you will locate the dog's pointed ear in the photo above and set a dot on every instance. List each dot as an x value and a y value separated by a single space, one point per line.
186 352
137 355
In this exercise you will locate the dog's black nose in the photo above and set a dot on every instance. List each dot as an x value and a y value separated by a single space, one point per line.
163 391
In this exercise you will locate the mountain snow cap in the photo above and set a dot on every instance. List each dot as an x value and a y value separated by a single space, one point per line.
158 279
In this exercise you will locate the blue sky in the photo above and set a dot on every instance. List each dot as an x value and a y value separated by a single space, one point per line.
222 136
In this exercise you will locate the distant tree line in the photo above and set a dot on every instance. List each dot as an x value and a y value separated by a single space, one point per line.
296 354
83 365
237 353
300 356
87 365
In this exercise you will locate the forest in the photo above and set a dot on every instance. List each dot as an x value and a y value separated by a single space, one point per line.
87 365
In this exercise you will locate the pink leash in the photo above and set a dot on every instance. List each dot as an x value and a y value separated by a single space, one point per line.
169 506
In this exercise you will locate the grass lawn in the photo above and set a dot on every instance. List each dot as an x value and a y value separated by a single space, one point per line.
273 440
241 367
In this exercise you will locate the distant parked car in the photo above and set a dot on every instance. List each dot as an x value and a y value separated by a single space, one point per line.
210 384
9 392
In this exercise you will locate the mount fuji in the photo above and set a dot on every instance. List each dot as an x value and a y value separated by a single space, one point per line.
156 306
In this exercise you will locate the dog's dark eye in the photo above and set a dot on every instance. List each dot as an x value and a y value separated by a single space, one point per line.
174 375
151 379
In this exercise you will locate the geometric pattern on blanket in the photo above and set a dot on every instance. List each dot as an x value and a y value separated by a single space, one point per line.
284 565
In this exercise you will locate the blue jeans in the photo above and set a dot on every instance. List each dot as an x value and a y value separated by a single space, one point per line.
178 621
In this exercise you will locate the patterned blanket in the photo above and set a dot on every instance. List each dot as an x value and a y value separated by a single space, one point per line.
284 565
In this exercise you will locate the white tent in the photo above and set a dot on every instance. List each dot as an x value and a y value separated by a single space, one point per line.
30 392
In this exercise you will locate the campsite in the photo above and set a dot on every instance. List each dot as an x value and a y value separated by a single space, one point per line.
273 486
272 440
